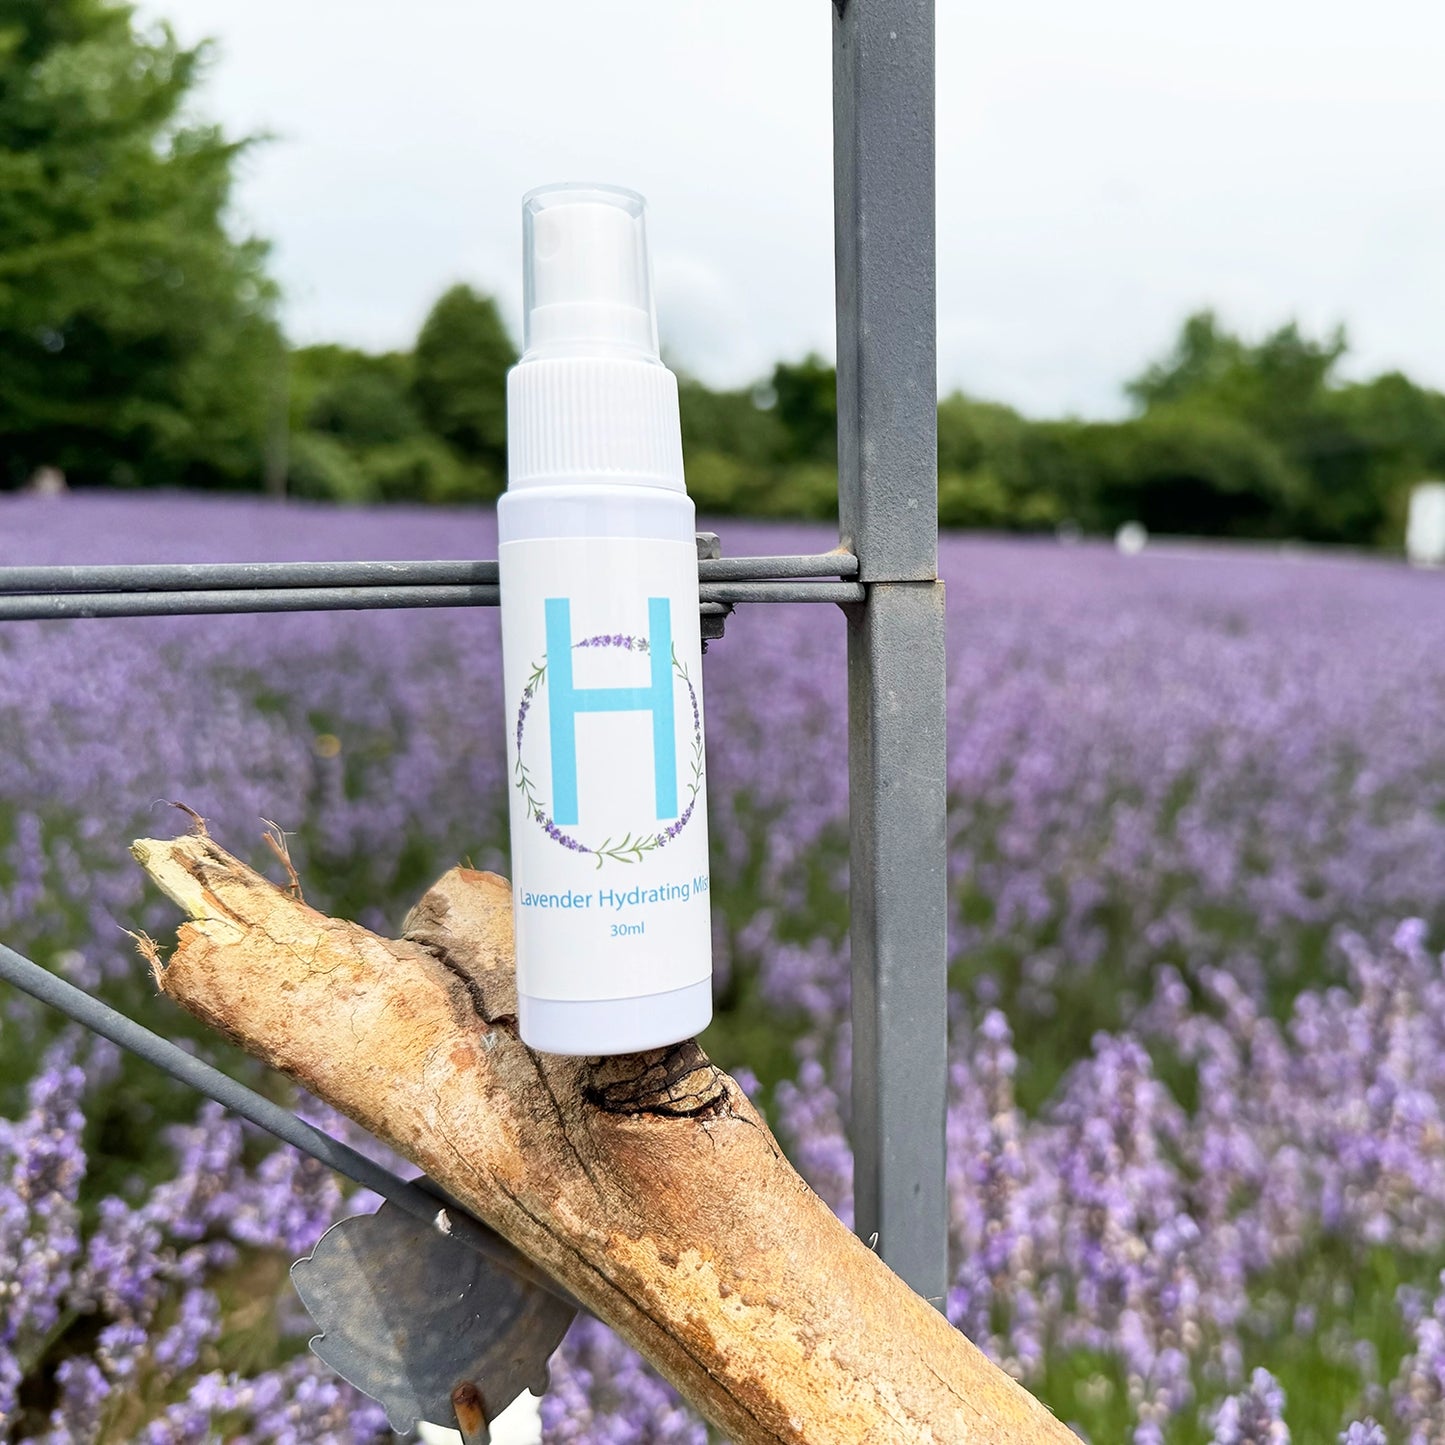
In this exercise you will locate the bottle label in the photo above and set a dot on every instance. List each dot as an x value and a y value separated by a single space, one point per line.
602 666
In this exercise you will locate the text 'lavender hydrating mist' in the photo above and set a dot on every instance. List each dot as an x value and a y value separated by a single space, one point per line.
602 656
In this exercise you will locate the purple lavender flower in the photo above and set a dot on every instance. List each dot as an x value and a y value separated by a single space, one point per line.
1363 1432
603 1392
41 1167
1255 1417
1418 1394
140 1288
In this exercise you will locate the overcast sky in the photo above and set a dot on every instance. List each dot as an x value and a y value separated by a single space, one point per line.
1103 168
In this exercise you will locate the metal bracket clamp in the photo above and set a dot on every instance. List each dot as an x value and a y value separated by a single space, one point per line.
712 614
429 1328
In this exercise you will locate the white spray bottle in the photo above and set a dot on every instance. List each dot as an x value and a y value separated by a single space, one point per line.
602 657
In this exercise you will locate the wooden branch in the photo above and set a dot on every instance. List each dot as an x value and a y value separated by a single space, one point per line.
647 1185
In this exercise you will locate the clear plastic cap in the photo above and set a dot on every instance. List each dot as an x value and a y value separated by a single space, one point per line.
586 281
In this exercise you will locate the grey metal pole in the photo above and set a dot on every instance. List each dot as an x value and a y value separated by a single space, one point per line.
883 159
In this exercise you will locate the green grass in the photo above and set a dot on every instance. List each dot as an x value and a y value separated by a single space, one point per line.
1350 1298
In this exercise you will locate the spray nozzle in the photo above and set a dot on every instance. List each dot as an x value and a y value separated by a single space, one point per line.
587 286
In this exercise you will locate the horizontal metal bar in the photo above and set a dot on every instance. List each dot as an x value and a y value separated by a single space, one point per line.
746 569
782 592
416 1200
30 607
263 576
228 576
241 599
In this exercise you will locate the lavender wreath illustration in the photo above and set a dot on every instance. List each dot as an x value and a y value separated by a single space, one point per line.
632 847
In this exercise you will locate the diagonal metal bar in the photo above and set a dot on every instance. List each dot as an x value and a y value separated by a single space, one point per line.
420 1199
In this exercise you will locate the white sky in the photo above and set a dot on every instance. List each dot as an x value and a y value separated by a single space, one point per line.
1103 168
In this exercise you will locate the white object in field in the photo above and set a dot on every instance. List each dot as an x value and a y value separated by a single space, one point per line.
47 482
519 1424
601 648
1131 538
1425 530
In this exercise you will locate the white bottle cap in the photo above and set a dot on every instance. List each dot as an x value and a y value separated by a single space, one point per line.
590 400
586 284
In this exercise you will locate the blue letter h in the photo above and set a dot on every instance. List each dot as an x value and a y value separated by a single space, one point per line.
567 700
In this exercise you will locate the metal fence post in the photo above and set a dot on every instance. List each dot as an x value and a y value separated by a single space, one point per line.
883 140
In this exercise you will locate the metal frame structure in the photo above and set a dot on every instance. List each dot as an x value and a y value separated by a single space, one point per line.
884 575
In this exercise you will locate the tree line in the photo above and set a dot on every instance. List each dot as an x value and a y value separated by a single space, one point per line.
140 345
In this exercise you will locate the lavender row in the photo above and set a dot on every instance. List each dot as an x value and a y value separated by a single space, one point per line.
1117 1227
127 1325
1182 790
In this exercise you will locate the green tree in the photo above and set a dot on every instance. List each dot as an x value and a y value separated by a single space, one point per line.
1204 356
1188 470
805 396
1399 428
736 424
459 377
732 443
358 436
994 469
137 336
357 396
1284 389
1271 385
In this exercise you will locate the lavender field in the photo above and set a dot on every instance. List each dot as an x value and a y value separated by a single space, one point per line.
1197 1091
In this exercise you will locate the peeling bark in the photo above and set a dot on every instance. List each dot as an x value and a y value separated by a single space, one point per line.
647 1184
